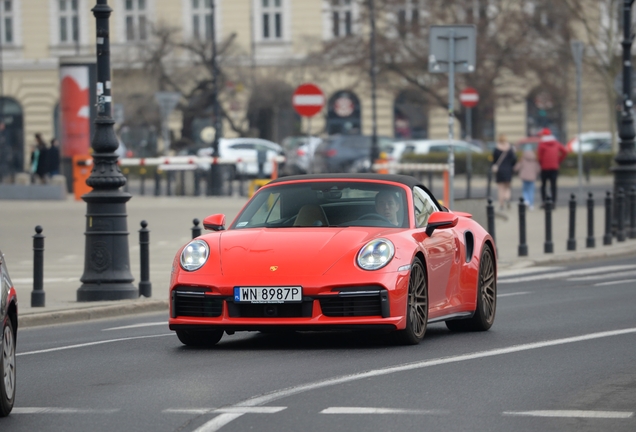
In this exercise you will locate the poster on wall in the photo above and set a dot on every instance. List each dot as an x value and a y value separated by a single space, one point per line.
74 110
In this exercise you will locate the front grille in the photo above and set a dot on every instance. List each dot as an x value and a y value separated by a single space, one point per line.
277 310
354 303
192 304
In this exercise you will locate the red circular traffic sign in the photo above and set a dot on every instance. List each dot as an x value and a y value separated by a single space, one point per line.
308 100
469 97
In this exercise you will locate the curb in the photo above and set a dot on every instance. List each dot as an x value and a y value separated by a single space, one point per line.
91 313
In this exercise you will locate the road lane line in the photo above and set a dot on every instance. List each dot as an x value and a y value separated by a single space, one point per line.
615 282
87 344
367 410
573 414
217 423
563 274
602 276
162 323
53 410
513 294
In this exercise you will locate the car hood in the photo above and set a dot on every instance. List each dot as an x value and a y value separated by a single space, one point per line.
294 251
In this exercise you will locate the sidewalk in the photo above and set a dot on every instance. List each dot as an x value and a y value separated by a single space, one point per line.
170 222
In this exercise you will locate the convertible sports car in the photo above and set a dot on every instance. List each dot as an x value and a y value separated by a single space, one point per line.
9 320
335 251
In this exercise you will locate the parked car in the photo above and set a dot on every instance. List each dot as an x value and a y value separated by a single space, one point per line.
246 153
335 251
591 142
299 154
347 153
401 148
9 320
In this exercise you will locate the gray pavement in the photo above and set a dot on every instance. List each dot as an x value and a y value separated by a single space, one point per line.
170 222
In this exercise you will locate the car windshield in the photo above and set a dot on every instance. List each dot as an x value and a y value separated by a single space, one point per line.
326 204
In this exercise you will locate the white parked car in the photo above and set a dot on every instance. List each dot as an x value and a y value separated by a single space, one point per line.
592 142
401 148
246 151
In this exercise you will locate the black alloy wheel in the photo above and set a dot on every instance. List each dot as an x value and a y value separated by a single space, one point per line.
7 369
416 308
199 338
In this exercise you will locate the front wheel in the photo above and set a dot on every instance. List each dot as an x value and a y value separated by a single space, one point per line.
199 338
416 307
484 316
7 370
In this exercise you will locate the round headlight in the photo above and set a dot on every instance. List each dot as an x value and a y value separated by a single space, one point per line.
194 255
375 254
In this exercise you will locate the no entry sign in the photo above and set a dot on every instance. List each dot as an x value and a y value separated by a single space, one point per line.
469 97
308 100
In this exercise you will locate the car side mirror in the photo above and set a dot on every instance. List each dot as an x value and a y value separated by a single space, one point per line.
440 220
215 222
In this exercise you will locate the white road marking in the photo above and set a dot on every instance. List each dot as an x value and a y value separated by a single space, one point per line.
67 347
227 410
573 414
603 276
218 422
513 294
615 282
527 271
153 324
564 274
53 410
366 410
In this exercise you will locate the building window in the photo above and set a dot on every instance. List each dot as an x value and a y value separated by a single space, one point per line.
341 17
136 20
7 13
202 25
69 22
409 17
272 14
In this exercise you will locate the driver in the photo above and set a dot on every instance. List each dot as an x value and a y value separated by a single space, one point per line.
388 205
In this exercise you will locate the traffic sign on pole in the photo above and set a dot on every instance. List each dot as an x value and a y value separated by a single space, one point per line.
308 100
469 97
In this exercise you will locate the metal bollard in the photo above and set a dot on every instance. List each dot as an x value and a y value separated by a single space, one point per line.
548 246
231 175
571 244
157 183
632 212
590 242
607 238
490 213
145 287
197 182
142 177
620 217
523 246
196 229
37 295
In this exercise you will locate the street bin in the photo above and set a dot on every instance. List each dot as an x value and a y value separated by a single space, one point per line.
82 167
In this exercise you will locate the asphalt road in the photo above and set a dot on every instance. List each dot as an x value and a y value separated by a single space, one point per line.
560 357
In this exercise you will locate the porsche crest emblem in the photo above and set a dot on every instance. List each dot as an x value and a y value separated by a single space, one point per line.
273 268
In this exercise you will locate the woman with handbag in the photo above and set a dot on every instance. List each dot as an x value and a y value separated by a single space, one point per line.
504 161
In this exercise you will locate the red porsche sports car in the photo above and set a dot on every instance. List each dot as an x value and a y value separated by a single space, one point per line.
335 251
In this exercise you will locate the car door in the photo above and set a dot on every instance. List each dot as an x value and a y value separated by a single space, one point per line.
440 250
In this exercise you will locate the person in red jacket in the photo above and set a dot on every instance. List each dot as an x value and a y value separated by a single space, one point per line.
550 154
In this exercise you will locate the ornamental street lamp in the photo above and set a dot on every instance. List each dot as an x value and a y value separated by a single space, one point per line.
375 150
625 168
107 273
215 173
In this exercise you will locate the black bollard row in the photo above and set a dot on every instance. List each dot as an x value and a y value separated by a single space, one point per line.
37 295
632 212
196 229
548 245
571 243
589 241
607 238
145 287
523 246
490 214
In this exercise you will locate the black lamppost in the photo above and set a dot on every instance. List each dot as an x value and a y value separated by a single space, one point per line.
107 273
625 168
375 151
215 174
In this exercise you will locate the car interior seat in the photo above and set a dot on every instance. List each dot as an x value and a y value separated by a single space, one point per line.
311 215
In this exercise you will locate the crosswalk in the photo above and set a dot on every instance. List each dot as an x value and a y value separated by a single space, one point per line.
596 276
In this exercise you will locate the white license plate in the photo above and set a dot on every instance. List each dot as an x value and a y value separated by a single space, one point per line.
268 294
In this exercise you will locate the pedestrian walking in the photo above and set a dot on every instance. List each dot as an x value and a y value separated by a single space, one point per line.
550 154
54 157
528 169
504 159
39 160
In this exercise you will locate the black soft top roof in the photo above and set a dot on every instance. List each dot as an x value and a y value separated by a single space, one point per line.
403 179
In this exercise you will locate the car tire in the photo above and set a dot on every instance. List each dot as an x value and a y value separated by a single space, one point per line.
416 307
7 369
199 338
484 315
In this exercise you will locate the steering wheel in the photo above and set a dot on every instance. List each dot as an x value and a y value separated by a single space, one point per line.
375 216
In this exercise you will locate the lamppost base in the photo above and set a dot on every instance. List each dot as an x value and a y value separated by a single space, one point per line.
625 179
108 291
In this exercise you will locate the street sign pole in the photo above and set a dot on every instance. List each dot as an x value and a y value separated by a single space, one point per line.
469 154
308 100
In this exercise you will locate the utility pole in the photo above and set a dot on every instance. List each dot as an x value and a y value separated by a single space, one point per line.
215 174
375 151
